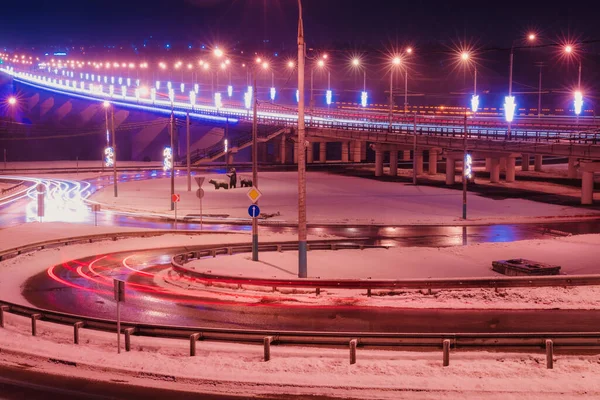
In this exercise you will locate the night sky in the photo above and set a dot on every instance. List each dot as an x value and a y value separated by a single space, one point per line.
374 22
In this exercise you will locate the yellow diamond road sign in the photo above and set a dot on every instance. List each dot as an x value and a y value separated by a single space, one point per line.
254 194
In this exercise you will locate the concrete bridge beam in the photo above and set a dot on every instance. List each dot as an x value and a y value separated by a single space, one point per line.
433 159
494 170
510 169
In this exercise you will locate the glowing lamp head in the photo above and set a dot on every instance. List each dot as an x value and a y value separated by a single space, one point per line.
474 103
531 37
328 96
509 107
206 66
265 65
396 61
218 102
568 49
409 50
229 90
291 64
321 63
363 99
578 103
297 95
272 93
218 52
325 56
106 104
356 62
464 56
12 101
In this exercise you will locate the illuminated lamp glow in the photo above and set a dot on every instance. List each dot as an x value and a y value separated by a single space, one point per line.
509 107
92 77
363 99
128 81
248 99
192 98
250 89
272 93
182 87
297 96
328 96
171 95
229 90
112 80
82 85
157 85
109 156
137 82
124 90
218 102
167 159
137 94
81 75
475 102
106 79
120 81
226 143
196 88
169 86
111 90
578 102
468 166
153 95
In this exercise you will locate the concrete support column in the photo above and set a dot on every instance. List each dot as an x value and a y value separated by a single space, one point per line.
525 162
502 164
394 162
587 187
282 149
295 153
450 166
309 152
378 162
433 157
363 151
488 164
537 163
494 170
356 151
406 155
510 169
419 162
572 170
322 152
345 157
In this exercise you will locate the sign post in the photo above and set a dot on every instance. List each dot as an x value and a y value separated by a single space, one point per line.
175 198
254 194
119 293
41 192
200 194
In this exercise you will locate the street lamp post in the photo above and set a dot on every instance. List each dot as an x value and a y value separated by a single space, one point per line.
395 62
254 162
107 105
302 258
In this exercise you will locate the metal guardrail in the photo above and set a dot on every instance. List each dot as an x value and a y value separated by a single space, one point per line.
178 263
530 341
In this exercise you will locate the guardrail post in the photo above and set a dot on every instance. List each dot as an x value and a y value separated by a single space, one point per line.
2 310
229 251
267 347
279 248
193 339
318 291
213 252
446 349
76 327
549 354
34 318
128 332
353 344
368 292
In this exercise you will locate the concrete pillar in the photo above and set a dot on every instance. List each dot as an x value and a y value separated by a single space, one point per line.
345 157
502 164
322 152
419 162
309 153
406 155
537 163
450 166
525 162
356 151
433 157
488 164
295 153
587 187
494 170
378 162
572 170
282 149
510 169
363 151
394 162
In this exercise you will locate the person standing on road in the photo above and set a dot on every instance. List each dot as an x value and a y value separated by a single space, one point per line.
232 178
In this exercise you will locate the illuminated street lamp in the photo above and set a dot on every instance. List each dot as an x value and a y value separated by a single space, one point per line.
408 51
302 233
12 101
578 95
509 101
395 62
363 95
320 64
111 153
466 58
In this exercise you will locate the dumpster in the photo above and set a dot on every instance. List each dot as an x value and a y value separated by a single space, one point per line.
520 266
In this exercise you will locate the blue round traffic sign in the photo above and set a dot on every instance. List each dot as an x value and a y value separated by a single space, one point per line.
253 211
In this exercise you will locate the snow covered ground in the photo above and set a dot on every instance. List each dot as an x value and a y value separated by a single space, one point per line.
335 199
235 369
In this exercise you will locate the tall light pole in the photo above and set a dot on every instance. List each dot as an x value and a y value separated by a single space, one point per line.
466 58
539 113
578 96
320 64
509 102
395 63
408 51
363 97
302 258
107 105
254 162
